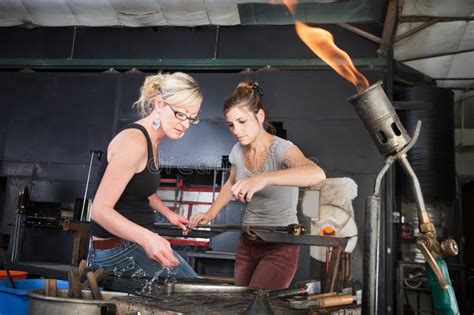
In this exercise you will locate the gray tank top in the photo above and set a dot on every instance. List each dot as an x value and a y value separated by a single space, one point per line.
273 205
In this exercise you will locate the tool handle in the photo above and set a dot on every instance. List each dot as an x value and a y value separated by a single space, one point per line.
99 274
319 296
74 279
431 261
94 286
342 299
444 299
50 287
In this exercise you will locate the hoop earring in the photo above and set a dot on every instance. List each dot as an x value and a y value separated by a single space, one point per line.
156 123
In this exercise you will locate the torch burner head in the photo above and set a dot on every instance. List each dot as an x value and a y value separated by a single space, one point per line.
380 119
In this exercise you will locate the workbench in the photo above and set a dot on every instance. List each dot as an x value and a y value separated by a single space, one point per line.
156 301
197 303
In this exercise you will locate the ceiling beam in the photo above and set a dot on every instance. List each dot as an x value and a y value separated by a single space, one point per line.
438 55
408 75
360 32
454 79
181 64
415 30
389 27
426 18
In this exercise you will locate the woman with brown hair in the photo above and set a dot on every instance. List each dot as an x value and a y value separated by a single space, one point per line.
266 173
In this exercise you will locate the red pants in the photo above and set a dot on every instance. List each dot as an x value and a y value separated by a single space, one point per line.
265 265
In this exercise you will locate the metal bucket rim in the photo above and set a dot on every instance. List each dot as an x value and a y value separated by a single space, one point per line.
36 295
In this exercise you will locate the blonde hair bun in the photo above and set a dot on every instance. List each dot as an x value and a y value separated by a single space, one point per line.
176 89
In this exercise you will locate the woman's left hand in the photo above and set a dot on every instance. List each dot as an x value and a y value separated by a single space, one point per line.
244 189
178 220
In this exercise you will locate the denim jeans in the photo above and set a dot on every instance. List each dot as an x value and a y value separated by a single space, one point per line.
130 260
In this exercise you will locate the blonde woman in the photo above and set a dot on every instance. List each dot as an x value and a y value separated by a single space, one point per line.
266 171
123 241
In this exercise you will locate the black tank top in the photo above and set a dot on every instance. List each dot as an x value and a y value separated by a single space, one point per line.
133 204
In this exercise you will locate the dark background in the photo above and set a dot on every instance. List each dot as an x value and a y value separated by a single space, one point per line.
50 120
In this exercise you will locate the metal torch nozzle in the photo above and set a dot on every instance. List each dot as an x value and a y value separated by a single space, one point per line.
380 119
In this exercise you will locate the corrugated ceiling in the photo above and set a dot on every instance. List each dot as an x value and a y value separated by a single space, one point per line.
443 50
139 13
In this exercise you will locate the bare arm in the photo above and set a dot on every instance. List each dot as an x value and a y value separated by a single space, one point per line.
158 205
126 157
225 195
301 172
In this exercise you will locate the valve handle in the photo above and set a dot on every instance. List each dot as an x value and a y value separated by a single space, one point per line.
449 247
421 244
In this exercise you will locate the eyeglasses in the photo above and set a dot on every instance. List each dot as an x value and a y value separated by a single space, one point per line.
182 116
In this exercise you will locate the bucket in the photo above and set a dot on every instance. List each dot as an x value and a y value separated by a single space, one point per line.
61 304
15 301
14 274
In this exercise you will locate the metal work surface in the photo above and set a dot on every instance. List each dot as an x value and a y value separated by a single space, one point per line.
203 296
197 303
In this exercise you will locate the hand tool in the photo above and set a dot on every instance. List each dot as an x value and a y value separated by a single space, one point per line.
82 267
99 274
172 286
94 286
74 279
308 288
75 285
293 229
323 300
50 288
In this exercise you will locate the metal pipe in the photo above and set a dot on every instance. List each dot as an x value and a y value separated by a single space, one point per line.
420 202
15 237
73 43
415 30
371 237
87 185
216 43
360 32
22 200
175 287
214 184
378 180
425 18
438 55
369 296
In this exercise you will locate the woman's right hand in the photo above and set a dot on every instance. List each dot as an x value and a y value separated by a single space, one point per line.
159 250
199 218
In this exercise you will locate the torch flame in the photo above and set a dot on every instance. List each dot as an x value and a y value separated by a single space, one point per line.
321 42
